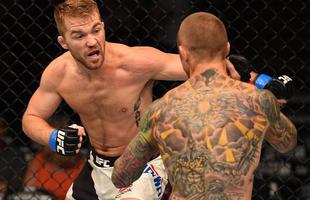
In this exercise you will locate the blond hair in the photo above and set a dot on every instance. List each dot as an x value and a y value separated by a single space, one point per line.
73 8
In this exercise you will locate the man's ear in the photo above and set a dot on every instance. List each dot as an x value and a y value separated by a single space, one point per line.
62 42
183 53
227 49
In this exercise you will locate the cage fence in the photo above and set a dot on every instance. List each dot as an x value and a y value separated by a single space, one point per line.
273 35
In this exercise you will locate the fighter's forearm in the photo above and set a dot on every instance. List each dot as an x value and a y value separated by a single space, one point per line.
127 169
132 162
36 128
283 136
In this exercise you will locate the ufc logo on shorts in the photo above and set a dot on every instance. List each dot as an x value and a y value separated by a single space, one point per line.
102 162
285 79
156 179
60 141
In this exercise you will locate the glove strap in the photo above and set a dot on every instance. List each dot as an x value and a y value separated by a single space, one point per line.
262 80
52 140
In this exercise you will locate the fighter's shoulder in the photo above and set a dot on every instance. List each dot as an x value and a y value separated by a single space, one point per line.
157 104
242 87
156 107
57 68
134 53
59 64
252 90
168 99
265 96
263 100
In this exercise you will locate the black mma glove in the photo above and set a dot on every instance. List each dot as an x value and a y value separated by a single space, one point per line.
242 66
65 141
282 87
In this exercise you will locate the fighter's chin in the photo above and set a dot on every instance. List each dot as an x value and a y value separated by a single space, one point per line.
94 64
93 67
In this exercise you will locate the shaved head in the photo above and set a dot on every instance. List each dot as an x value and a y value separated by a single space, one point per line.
204 35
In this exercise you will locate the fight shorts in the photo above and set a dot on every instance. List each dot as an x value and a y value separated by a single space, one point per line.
94 181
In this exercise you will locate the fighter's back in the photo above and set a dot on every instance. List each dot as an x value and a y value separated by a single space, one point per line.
210 133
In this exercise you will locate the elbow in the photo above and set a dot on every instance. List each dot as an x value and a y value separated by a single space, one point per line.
24 123
289 146
288 149
293 142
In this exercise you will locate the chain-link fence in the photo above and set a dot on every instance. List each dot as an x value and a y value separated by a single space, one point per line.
273 34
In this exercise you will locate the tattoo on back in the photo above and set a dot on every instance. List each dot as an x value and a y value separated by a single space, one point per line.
210 134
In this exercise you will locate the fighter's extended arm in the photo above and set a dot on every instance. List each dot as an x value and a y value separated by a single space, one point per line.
159 65
281 134
130 165
155 64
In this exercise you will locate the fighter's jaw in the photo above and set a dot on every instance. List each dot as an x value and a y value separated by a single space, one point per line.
94 59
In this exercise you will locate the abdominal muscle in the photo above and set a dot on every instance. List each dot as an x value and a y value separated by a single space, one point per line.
110 138
106 109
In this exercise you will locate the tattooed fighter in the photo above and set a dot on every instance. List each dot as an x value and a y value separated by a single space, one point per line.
210 129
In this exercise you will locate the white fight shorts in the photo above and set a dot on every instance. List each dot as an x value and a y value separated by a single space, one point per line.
94 181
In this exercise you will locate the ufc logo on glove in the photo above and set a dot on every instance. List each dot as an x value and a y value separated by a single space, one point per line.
60 141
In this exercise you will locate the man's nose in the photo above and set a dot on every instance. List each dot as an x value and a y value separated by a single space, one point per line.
91 41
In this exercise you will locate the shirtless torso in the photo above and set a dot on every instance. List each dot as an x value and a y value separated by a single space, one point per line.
109 85
215 142
108 100
209 131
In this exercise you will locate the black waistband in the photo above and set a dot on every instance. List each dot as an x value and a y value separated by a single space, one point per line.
101 160
105 161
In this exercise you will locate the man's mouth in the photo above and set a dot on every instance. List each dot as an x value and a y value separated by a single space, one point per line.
94 53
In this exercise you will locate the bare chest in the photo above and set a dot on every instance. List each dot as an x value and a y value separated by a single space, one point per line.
109 96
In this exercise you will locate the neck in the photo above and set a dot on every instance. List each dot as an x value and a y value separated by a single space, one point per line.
219 67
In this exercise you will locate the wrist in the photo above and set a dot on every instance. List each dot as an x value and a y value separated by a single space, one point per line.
52 142
262 80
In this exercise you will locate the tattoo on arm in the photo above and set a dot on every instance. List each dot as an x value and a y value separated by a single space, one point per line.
282 132
133 161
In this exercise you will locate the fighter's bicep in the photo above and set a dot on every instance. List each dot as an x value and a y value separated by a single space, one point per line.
156 64
272 110
270 107
170 68
43 103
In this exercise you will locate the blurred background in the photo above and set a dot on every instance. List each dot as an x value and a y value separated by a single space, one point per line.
272 34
